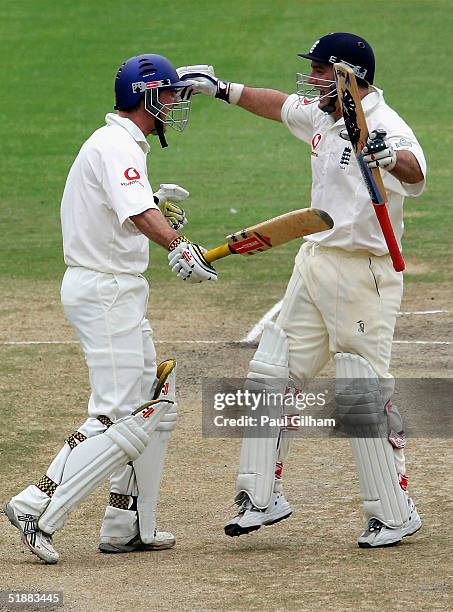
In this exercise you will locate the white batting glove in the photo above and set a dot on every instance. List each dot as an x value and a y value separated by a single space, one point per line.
379 152
202 79
165 198
187 262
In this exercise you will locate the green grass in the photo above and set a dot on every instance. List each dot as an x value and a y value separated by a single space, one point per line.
59 60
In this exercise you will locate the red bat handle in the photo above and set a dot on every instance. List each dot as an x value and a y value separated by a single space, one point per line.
387 230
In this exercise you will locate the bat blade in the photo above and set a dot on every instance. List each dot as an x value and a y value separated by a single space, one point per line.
356 125
273 232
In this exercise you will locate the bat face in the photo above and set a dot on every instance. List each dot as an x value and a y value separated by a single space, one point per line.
279 230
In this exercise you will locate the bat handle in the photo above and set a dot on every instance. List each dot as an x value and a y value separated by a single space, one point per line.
217 253
387 230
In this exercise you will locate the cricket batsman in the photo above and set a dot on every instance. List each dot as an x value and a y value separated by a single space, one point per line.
109 213
344 295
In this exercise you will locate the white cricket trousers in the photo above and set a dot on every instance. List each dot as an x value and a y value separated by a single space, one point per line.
341 302
108 311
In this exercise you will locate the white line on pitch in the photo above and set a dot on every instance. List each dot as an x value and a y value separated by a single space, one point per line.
420 342
29 342
237 342
424 312
258 328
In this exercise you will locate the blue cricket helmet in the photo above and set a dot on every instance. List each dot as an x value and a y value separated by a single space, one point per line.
345 47
141 73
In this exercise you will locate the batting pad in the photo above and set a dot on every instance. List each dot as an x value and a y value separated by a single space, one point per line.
361 406
268 372
148 470
94 459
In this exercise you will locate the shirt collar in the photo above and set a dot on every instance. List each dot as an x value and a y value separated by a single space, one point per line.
131 127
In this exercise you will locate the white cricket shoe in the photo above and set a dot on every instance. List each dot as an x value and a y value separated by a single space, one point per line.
414 522
379 535
250 518
39 542
162 540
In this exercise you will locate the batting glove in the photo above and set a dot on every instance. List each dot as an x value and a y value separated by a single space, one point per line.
202 79
187 262
165 198
379 152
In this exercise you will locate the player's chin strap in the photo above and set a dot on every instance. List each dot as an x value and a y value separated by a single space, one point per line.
161 133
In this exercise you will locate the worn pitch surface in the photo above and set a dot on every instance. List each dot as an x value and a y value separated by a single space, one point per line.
307 562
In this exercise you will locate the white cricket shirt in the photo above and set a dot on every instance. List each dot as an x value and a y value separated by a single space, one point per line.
337 184
107 183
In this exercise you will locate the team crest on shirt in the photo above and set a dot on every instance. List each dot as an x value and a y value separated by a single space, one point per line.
132 175
345 157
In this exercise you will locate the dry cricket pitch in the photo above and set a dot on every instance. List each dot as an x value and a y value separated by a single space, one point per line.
309 562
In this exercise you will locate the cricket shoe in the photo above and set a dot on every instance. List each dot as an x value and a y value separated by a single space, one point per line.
39 542
379 535
161 541
250 518
414 522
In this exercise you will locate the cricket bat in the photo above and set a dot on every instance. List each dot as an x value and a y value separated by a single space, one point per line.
272 232
355 122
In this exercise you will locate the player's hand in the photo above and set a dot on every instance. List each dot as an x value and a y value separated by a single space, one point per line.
201 79
165 198
187 262
379 152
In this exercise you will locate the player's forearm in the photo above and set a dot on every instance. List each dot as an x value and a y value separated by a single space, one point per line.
263 102
407 168
153 225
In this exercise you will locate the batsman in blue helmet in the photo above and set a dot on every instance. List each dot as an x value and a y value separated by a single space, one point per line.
344 295
109 214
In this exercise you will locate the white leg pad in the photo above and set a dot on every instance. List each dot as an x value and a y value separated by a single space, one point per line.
96 458
360 403
268 372
142 478
148 473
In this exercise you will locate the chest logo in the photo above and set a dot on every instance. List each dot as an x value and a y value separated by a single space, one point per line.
314 143
131 174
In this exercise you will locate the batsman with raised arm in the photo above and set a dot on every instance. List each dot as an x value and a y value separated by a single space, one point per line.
109 214
343 296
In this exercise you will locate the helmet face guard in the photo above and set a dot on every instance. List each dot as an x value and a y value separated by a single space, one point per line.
307 88
175 114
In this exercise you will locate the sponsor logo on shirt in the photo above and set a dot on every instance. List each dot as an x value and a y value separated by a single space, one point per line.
402 142
314 143
132 175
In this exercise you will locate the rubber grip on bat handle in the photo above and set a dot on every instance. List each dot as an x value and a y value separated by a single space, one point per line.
387 230
217 253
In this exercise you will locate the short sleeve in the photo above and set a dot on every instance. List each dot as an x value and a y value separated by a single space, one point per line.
125 181
297 115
